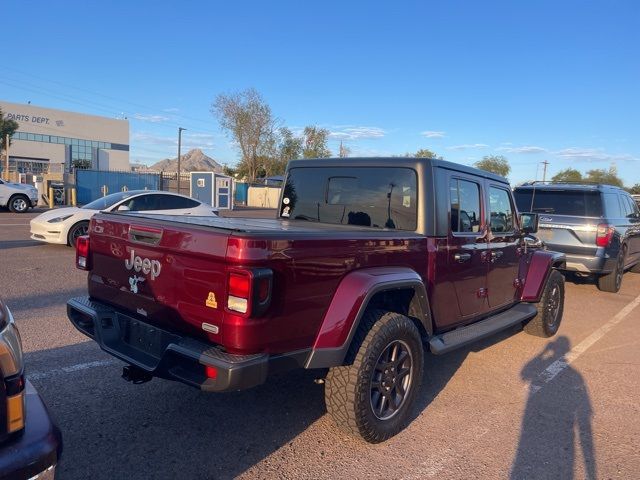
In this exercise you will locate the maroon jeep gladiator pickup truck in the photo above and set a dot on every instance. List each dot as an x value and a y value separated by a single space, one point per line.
369 262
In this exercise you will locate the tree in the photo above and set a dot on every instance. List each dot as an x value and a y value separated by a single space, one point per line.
568 175
315 142
344 152
609 177
635 190
248 119
426 153
497 164
290 146
7 127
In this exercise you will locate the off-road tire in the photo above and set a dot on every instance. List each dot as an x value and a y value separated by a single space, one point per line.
349 392
550 307
19 203
611 282
74 230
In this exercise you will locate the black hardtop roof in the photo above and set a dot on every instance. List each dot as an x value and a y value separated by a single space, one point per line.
592 187
407 162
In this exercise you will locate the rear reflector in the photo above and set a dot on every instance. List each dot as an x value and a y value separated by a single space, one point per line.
82 253
211 372
604 234
15 413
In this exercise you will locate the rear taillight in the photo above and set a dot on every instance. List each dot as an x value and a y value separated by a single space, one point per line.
82 253
249 291
604 234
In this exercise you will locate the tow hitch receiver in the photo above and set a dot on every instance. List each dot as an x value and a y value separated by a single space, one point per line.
135 375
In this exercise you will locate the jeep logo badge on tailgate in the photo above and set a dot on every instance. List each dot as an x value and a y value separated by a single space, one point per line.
147 266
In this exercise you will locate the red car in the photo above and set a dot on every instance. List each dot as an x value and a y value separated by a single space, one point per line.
369 262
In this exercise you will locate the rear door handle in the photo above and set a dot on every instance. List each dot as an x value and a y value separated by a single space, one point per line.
462 257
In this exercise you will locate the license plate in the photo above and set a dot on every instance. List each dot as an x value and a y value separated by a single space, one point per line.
144 337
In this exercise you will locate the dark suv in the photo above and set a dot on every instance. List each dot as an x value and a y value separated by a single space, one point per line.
596 226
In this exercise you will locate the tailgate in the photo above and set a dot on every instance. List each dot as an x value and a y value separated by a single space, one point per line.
170 273
566 234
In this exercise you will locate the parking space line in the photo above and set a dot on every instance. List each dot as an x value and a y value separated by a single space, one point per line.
13 224
70 369
559 365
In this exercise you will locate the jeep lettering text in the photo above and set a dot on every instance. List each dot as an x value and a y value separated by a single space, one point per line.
143 264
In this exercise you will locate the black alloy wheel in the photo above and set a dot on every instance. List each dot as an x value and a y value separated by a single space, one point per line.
391 380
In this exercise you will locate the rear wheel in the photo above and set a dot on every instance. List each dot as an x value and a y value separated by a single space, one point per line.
611 282
79 229
373 397
546 323
19 204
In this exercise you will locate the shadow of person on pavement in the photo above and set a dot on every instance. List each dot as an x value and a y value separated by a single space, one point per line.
557 418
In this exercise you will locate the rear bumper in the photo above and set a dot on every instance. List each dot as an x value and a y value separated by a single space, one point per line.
167 355
36 450
590 264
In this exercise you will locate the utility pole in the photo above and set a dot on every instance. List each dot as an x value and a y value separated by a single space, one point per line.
180 129
544 172
6 152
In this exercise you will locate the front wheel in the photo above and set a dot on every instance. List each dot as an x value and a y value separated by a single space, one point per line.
19 204
550 307
373 397
79 229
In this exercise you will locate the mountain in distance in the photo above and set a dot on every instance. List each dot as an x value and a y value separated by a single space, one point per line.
193 161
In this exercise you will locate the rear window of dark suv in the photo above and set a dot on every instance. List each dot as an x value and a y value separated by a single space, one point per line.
577 203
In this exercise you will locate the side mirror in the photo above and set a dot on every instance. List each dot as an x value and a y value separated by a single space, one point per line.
529 222
123 208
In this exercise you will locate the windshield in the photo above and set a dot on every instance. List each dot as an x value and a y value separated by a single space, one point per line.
575 203
108 201
381 197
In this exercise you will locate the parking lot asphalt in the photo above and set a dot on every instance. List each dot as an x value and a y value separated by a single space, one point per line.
513 406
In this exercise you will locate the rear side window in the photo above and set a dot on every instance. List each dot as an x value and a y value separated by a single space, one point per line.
171 202
629 206
612 206
371 197
560 202
465 206
502 218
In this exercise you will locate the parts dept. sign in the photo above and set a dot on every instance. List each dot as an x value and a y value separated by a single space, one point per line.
20 117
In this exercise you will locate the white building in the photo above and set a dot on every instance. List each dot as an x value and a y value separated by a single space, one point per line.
51 141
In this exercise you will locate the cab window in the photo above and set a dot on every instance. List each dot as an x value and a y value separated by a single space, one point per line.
465 206
502 218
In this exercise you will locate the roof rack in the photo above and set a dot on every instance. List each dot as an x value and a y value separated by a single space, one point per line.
552 182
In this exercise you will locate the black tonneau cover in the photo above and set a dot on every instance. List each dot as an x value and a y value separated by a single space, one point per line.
270 226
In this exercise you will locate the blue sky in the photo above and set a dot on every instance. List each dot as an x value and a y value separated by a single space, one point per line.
534 81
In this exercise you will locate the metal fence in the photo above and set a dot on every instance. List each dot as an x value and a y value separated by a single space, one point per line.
93 184
168 181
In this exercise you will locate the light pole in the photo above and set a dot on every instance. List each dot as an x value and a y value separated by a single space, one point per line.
180 129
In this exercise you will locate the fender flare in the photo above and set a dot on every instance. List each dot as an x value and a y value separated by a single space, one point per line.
349 303
540 266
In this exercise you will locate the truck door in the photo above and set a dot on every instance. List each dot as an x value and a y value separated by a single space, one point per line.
467 246
504 242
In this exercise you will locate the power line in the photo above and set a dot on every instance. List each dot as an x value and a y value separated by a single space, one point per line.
124 102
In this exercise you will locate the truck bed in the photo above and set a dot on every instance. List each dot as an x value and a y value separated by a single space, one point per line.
193 258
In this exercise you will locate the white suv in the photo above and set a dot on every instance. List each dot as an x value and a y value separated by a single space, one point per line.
18 197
